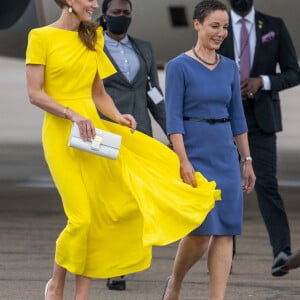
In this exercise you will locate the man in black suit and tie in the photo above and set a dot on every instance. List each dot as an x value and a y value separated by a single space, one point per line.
258 43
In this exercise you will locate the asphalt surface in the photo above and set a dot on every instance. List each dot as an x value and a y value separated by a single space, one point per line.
31 216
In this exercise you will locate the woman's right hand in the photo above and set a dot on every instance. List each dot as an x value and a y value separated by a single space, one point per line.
187 173
86 127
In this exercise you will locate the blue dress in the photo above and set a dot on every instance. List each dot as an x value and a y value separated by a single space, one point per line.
192 90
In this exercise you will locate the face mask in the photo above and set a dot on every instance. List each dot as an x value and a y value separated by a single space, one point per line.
241 6
118 25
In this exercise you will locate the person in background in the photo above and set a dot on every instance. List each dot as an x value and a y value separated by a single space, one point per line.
259 43
136 74
208 131
109 228
136 68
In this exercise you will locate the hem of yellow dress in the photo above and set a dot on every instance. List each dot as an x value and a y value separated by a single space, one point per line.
72 268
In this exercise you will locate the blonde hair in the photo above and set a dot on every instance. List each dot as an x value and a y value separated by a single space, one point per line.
87 30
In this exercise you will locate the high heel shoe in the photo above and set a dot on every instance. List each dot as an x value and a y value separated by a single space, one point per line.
46 287
165 287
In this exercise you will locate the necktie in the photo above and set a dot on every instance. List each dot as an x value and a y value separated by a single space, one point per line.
244 51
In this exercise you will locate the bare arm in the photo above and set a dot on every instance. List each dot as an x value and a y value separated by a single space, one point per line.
187 171
37 96
106 106
248 173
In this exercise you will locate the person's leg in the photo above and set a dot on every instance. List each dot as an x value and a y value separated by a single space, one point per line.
263 151
82 286
55 286
219 264
189 251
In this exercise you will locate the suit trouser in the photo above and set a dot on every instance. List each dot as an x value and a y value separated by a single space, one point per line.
264 153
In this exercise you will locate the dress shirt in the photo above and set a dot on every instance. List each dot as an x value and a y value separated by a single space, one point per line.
236 27
124 56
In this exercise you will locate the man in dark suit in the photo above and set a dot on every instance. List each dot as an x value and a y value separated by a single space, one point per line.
269 45
135 87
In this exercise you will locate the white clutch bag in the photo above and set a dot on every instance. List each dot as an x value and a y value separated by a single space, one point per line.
105 143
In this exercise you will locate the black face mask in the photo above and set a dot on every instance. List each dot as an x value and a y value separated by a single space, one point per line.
241 6
118 25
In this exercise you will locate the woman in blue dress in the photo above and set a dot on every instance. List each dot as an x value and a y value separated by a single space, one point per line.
208 131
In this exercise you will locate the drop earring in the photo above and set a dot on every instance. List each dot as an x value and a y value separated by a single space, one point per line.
70 9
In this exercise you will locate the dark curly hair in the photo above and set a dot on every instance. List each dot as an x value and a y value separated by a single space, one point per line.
205 7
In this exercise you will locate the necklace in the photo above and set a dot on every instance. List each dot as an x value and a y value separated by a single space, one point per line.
204 61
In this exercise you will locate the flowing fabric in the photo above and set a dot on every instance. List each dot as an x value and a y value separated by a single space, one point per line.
116 209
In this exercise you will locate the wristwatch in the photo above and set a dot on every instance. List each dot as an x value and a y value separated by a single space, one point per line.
243 159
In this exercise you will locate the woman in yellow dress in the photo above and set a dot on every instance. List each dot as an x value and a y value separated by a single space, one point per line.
116 209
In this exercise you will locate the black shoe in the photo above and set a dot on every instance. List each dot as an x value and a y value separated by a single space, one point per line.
116 284
284 262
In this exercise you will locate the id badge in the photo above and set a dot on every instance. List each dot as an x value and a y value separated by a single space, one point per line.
155 95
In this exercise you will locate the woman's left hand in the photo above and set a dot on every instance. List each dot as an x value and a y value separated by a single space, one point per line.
129 121
248 177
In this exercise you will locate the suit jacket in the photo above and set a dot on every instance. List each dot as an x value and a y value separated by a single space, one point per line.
131 97
273 46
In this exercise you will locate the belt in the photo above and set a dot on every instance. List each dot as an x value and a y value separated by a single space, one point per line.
210 121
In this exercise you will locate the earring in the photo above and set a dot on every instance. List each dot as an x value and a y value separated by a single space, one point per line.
70 9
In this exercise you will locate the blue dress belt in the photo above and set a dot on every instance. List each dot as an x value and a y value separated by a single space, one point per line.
210 121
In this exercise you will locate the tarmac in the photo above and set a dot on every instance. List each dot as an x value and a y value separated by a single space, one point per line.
31 215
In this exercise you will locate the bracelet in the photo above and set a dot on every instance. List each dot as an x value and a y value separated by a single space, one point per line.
246 158
65 112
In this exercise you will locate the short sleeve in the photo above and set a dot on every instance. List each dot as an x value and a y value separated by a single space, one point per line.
105 67
36 48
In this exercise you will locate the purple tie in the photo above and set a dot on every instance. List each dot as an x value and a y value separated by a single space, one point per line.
244 51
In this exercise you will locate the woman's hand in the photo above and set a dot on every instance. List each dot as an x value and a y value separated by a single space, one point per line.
187 173
86 127
248 177
128 120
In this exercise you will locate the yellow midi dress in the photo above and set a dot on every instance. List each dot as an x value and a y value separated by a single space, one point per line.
116 209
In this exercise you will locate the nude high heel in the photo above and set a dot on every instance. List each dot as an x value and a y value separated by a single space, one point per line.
46 287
